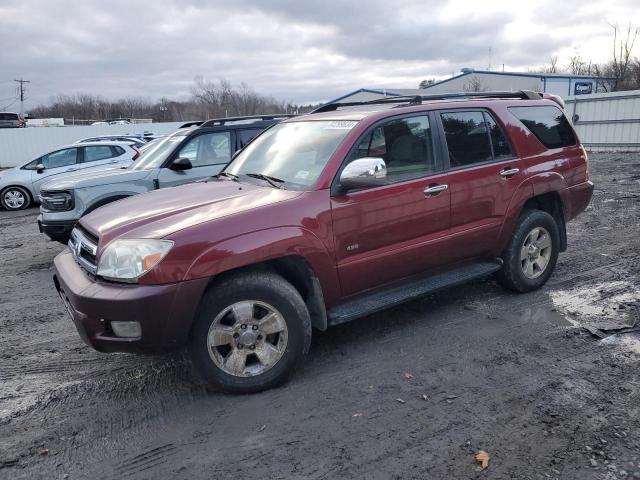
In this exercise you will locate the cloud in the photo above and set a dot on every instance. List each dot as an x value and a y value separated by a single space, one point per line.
295 50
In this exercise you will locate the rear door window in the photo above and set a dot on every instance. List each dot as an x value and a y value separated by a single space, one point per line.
93 154
9 116
548 124
499 143
467 138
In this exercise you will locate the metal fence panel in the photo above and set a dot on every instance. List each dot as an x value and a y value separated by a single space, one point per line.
19 145
607 121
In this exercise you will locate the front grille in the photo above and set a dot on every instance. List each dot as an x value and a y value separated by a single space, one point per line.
84 247
56 201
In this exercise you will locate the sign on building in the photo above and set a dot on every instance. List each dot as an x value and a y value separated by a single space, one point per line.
583 88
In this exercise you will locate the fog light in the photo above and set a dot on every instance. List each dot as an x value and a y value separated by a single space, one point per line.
126 329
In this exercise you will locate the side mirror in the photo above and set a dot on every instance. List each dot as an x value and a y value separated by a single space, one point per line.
364 172
180 164
39 168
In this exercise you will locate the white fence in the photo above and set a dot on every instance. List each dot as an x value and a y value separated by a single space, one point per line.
18 145
607 121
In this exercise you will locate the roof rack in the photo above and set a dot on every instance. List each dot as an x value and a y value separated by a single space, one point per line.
418 99
191 124
222 121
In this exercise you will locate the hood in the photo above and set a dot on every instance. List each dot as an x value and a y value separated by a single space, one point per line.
10 172
162 212
93 176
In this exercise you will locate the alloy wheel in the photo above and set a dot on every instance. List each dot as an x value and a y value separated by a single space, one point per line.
14 199
247 338
535 253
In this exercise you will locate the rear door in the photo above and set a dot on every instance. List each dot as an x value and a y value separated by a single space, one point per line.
55 163
96 155
208 153
389 232
483 175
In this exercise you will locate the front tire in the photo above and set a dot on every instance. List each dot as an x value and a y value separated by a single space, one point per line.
532 253
251 332
15 198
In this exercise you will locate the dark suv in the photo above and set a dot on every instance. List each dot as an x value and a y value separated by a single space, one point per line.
325 218
11 120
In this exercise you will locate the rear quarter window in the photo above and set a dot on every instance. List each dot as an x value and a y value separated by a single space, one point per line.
548 124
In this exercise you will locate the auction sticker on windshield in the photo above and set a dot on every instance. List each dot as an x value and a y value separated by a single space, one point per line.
340 125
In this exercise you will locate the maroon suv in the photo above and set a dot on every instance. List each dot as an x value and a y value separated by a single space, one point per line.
325 218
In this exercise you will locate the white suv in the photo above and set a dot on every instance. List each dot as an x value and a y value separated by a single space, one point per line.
20 186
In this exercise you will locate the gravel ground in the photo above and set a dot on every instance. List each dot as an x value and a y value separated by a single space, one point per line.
413 392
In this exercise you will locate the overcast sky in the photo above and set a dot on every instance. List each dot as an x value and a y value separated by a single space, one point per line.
297 50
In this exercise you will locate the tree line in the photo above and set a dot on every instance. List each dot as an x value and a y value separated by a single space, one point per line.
209 99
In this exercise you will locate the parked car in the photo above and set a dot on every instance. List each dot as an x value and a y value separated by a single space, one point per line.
11 120
137 142
325 218
20 186
186 156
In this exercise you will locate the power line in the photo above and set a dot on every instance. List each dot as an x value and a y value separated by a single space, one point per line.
22 89
6 107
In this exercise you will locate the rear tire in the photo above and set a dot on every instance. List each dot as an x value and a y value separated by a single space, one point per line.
251 332
532 252
15 198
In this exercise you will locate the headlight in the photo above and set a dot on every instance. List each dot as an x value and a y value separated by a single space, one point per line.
56 201
127 260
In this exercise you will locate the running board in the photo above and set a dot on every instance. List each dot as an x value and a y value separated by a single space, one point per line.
382 299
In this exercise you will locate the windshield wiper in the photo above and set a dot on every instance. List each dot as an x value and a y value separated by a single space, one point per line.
273 181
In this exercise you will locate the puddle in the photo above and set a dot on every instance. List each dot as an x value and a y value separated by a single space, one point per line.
604 305
627 342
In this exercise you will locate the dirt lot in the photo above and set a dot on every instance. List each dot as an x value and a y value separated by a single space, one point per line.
517 375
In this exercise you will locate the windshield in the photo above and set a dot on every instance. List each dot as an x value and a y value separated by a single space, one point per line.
294 152
154 156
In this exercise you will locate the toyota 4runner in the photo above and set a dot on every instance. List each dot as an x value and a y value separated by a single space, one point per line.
325 218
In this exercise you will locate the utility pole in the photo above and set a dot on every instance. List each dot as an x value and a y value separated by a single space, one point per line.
163 108
21 90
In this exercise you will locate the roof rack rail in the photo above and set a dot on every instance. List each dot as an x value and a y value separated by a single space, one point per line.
418 99
222 121
191 124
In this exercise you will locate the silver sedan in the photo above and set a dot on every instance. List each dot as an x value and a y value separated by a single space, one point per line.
20 186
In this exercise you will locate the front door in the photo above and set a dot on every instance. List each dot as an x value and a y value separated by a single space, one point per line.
389 232
55 163
208 154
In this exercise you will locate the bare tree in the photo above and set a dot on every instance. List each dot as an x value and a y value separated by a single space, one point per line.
578 66
619 70
427 83
474 84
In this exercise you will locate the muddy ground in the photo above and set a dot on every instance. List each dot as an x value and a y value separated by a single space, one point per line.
516 375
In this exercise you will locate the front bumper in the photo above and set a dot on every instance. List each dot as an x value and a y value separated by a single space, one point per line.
58 230
165 312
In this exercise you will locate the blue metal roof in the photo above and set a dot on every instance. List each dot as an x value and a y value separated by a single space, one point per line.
541 76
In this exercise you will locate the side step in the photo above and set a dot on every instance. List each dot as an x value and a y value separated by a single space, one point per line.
382 299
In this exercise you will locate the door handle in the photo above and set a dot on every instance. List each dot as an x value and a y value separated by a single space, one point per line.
435 189
509 172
